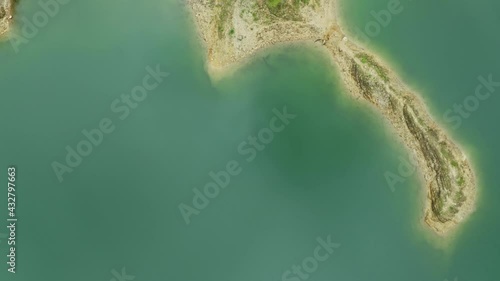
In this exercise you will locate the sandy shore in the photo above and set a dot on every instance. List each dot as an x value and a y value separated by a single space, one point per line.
6 10
233 31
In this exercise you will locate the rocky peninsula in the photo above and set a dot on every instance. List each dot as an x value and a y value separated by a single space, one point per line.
232 31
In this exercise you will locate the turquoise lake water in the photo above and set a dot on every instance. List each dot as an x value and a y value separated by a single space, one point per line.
322 175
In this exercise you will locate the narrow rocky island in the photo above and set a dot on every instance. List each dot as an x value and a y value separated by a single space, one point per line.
234 30
6 10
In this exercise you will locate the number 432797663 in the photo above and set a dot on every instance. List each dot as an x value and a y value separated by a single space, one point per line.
11 196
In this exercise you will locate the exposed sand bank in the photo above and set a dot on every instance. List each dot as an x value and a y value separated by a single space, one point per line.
232 31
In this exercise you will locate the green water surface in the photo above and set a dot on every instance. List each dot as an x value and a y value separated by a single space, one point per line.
323 175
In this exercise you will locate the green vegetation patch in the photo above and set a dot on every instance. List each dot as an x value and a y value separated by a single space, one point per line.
460 197
273 3
223 16
287 10
447 154
452 210
369 60
3 13
438 206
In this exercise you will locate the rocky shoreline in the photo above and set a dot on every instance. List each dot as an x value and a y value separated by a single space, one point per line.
232 31
6 16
